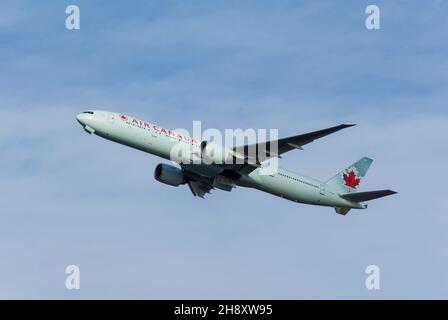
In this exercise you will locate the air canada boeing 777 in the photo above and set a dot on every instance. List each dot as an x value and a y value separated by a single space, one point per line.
225 168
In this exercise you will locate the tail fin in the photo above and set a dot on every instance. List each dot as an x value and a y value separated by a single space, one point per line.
348 180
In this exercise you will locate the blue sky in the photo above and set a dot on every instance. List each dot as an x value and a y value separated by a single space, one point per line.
69 198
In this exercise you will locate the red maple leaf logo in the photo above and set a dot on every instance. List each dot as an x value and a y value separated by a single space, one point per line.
350 179
123 117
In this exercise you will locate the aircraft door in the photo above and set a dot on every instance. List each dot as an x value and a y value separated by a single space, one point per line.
322 189
111 117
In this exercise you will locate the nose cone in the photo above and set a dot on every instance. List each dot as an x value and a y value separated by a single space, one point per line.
81 118
87 121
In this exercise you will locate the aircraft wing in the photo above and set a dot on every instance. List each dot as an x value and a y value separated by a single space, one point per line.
199 184
251 153
287 144
199 188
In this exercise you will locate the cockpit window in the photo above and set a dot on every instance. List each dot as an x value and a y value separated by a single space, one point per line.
89 112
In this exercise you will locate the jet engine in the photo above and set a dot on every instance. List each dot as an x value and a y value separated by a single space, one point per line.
168 174
214 153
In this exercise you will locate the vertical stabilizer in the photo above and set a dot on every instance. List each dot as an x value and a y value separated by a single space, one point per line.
348 180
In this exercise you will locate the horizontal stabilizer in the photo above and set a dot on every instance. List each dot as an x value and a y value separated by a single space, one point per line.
366 196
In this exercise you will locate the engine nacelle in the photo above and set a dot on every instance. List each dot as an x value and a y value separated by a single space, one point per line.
214 153
168 174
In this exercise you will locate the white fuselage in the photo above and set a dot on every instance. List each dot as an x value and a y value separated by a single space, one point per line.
159 141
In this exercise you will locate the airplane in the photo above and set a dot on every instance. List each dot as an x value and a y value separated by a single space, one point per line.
339 192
